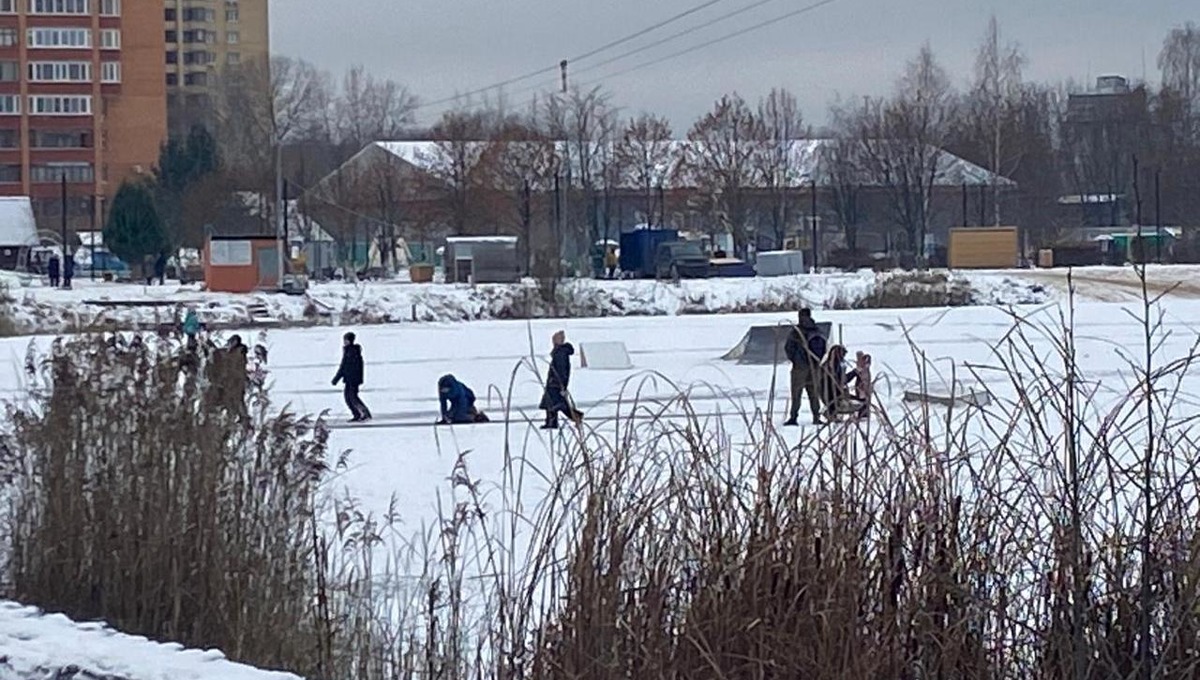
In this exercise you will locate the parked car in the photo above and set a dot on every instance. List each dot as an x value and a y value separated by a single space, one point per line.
680 259
103 262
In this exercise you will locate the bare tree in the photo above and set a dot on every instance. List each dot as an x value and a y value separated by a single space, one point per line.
841 163
1179 61
994 100
523 162
902 142
265 105
461 142
781 126
370 109
722 163
647 153
584 121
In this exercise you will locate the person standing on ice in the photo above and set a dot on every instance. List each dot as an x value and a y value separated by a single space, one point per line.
805 348
54 271
556 399
351 372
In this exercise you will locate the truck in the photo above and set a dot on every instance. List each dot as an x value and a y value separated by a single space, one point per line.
639 251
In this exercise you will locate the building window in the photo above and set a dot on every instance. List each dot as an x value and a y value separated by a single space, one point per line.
10 174
231 14
110 8
10 104
76 173
172 57
60 71
172 79
199 58
58 7
110 72
60 139
10 71
233 37
10 138
201 14
8 6
200 79
110 39
169 14
233 58
8 37
59 37
60 105
172 37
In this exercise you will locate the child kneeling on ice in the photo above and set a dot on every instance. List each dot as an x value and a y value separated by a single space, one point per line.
457 403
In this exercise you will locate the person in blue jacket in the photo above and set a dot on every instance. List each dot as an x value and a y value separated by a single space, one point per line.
457 403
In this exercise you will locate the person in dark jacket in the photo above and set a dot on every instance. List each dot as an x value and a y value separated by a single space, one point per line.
228 377
805 348
351 372
835 381
54 271
68 271
556 399
457 403
160 269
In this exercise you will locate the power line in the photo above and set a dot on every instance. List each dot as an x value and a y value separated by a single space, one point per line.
591 53
710 43
676 36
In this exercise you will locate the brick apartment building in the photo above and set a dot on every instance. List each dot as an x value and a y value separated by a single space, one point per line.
82 96
204 38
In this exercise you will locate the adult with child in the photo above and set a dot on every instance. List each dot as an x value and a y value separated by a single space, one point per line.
835 382
805 349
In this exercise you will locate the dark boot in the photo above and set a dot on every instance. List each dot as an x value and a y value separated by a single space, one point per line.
551 421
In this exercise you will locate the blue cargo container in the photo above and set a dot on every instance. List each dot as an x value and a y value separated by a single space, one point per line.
638 249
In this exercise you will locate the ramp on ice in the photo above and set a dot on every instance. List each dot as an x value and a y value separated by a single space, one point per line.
763 345
605 356
953 394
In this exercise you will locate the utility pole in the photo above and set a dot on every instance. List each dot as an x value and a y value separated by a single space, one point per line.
65 252
95 236
964 207
562 66
1158 215
280 220
816 237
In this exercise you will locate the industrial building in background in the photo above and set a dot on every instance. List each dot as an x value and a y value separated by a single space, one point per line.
82 102
204 40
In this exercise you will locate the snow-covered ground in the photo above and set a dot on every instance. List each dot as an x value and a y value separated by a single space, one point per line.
98 306
38 646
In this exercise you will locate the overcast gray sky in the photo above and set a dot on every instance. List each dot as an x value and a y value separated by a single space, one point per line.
849 48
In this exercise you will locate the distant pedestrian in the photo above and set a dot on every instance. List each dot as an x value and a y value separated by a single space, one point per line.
611 261
68 271
228 378
54 271
191 328
805 348
160 269
351 372
556 399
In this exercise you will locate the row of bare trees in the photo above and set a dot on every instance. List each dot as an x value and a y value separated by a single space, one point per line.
568 170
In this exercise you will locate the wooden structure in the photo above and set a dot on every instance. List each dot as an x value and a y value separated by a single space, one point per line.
241 264
984 248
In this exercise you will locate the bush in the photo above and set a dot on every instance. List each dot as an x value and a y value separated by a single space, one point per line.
151 488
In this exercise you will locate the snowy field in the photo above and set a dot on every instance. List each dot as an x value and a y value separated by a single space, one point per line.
402 455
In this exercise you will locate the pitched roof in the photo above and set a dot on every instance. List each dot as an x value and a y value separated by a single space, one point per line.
807 162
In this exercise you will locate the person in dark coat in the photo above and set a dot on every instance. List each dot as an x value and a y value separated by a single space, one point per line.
556 399
835 381
160 269
68 271
228 377
805 348
457 403
54 271
351 372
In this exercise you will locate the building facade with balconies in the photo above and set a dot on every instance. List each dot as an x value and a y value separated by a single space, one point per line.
82 101
205 38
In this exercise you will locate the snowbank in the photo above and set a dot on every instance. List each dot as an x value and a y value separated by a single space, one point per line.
106 306
36 646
